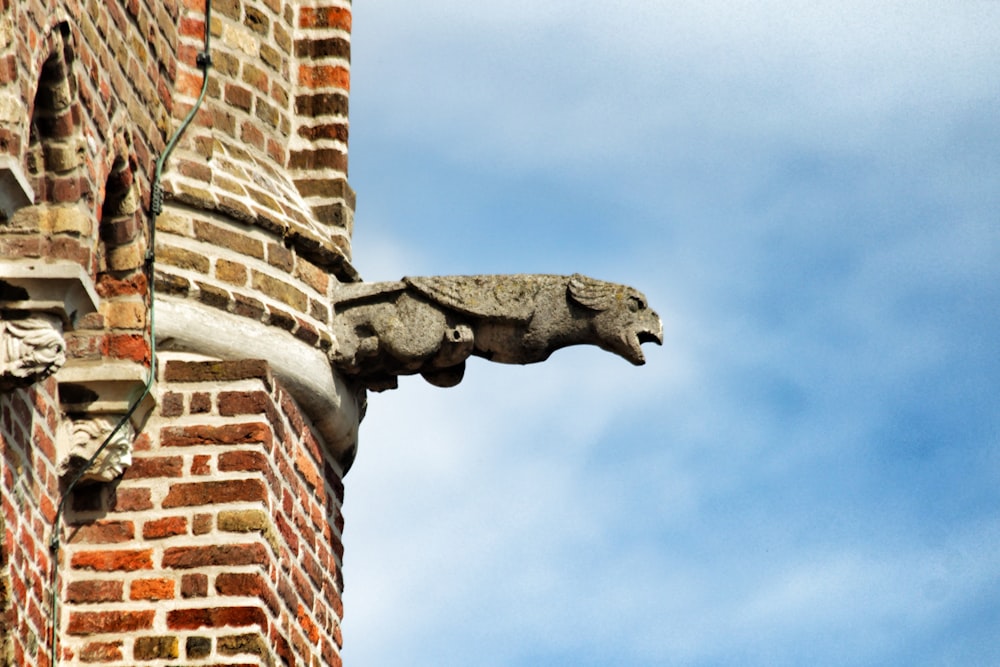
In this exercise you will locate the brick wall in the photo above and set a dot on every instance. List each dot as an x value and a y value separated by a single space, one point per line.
29 485
269 146
221 543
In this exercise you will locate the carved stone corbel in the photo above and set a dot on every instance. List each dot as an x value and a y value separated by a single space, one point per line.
80 439
31 348
432 325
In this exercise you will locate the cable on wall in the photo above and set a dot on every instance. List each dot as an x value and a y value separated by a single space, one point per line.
203 61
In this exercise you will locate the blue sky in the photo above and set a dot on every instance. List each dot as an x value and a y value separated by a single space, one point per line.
808 471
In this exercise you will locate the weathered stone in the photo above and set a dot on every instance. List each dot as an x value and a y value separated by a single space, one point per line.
31 349
83 438
432 325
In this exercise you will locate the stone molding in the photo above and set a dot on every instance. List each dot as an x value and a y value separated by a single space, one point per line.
58 288
334 407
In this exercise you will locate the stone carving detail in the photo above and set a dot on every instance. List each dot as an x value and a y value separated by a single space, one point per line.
432 325
84 436
31 349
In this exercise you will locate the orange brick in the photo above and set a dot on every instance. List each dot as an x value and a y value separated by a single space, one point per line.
152 589
325 76
325 17
165 527
125 560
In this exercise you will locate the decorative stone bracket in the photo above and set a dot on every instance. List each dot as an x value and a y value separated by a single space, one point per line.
56 288
37 301
432 325
95 396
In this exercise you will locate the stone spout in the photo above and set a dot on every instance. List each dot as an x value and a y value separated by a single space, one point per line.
432 325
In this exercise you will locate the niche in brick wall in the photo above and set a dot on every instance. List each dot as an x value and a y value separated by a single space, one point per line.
55 148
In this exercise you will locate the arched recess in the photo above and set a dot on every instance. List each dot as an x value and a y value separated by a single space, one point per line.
122 282
55 146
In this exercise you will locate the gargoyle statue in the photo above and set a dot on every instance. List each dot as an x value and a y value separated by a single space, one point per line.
432 325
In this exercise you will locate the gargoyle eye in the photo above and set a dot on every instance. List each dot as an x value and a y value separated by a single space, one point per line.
635 304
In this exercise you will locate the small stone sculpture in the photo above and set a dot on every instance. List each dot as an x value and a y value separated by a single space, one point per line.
82 438
432 325
31 349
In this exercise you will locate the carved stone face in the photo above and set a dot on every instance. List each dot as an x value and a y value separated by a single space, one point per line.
31 348
85 437
627 324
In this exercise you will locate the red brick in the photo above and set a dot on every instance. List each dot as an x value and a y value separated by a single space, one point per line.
171 404
243 461
227 434
152 589
101 651
155 466
228 554
208 493
103 622
191 27
94 590
307 625
216 617
129 346
241 584
201 402
325 17
287 534
232 403
188 84
202 524
125 560
239 97
311 475
132 500
104 532
325 76
110 287
318 158
200 464
195 585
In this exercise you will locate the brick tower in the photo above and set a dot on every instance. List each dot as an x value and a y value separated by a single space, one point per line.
174 220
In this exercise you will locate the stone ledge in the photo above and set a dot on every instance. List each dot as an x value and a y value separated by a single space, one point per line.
15 191
104 386
59 288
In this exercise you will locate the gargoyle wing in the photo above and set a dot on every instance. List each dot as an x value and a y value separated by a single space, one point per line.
490 297
352 292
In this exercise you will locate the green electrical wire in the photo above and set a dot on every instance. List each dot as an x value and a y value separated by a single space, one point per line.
204 61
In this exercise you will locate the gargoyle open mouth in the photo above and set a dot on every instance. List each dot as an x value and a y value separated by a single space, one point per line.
650 337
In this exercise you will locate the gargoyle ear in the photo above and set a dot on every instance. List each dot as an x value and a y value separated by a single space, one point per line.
590 293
